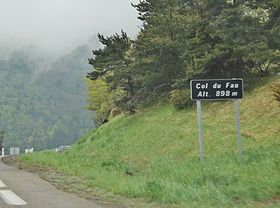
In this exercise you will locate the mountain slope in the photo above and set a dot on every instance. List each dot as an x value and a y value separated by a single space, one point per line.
42 103
155 154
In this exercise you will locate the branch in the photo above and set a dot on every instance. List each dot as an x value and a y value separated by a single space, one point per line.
160 86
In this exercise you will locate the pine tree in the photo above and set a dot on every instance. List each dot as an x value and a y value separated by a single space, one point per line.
112 62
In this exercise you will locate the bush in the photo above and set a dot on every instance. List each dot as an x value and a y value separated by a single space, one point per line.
180 98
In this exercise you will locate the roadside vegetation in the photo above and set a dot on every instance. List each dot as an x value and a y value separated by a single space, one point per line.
146 144
155 154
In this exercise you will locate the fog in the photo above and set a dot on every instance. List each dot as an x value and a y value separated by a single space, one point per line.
58 26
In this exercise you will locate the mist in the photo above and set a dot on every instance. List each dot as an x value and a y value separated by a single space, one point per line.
59 26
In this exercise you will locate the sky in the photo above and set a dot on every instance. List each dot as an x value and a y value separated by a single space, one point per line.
58 26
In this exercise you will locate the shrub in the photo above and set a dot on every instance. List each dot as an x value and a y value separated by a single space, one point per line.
180 98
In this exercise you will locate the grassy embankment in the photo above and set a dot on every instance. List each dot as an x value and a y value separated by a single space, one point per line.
155 155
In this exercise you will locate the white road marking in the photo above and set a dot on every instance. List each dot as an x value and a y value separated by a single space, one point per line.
11 198
2 185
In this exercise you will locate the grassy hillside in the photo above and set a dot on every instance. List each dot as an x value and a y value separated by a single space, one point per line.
155 155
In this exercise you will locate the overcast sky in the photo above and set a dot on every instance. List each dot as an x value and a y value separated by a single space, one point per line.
61 25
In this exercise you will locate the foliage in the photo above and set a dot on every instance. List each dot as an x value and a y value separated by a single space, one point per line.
101 100
180 98
112 62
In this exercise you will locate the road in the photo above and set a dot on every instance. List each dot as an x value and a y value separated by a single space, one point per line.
19 188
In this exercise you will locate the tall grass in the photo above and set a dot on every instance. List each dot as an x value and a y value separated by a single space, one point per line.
155 155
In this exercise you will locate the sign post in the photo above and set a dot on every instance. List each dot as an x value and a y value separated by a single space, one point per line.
237 120
217 89
199 115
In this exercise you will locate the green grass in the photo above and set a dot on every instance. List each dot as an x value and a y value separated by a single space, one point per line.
155 155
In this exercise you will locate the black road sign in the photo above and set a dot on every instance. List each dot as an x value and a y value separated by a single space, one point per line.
216 89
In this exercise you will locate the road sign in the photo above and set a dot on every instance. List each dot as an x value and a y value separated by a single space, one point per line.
216 89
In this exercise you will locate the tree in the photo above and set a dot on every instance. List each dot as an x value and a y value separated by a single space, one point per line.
157 50
112 62
101 99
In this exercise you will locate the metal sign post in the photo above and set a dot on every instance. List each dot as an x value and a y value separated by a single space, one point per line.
199 115
217 89
237 120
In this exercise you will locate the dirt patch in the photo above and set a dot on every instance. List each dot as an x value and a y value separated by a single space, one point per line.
11 161
274 201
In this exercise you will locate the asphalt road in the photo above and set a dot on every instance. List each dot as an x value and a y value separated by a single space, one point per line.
19 188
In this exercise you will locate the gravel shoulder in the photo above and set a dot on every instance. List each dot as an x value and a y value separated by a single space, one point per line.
78 186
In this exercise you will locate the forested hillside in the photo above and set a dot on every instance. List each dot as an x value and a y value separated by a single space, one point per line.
181 40
43 101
